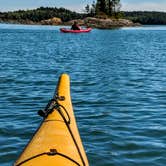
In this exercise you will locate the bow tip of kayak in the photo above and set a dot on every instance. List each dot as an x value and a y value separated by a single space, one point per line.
64 75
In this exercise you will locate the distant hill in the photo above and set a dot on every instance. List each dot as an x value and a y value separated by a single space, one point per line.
39 14
144 17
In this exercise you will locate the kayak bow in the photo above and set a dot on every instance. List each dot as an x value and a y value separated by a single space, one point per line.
75 31
57 141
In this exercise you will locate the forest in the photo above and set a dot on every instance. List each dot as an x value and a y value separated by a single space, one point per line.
43 13
39 14
109 8
146 18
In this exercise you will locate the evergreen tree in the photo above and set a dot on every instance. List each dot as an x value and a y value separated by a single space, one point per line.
93 9
101 5
110 7
116 5
87 9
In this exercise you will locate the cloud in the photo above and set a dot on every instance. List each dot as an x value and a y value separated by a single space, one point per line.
144 6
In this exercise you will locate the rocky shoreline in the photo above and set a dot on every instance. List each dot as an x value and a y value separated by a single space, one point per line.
93 22
106 23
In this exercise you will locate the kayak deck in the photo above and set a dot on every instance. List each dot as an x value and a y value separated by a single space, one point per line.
75 31
57 141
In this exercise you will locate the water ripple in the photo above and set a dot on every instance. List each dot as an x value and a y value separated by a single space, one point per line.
117 84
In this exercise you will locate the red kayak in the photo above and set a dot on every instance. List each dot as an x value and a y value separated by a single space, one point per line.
75 31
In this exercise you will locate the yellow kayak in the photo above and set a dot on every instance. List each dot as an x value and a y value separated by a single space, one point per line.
57 141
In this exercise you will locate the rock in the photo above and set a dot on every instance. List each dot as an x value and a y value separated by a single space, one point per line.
107 23
52 21
103 23
137 24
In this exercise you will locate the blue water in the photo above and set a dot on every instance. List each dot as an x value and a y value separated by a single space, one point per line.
118 87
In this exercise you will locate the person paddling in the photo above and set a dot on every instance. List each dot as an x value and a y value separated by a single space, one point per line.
75 26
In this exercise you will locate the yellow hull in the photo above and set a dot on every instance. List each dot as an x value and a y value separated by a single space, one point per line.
57 141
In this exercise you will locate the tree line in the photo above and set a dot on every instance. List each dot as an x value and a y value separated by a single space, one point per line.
99 7
109 7
39 14
147 18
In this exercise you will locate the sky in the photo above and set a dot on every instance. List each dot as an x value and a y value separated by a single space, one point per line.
78 5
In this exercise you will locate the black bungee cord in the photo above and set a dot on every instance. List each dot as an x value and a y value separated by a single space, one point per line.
52 105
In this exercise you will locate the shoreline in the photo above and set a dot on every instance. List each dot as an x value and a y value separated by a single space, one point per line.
87 22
